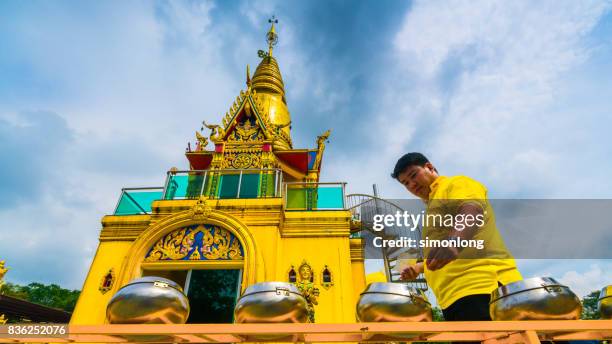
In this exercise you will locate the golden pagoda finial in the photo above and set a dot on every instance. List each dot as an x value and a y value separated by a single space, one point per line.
267 75
271 36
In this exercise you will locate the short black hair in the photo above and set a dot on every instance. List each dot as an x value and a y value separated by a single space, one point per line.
410 159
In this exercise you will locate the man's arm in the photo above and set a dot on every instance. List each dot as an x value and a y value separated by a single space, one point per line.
438 256
464 229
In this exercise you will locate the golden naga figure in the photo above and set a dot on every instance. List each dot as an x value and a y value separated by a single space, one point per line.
3 271
306 286
216 132
320 148
202 142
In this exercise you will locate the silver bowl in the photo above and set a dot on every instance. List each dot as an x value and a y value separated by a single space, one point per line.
604 303
271 302
540 298
381 302
148 300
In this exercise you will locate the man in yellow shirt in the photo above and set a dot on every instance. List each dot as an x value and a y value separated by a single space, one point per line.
461 278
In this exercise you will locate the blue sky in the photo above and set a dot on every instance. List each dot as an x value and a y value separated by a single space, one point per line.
96 96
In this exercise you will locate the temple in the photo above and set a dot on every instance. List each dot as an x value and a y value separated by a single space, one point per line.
249 209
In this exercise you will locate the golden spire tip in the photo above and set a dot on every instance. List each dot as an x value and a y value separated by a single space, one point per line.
271 36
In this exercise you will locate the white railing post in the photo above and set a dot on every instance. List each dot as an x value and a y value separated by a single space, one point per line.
166 185
343 195
239 185
203 182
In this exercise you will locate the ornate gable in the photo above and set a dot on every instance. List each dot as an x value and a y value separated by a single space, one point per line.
248 122
255 132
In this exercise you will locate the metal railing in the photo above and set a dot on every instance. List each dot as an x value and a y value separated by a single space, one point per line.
234 184
135 201
220 184
314 196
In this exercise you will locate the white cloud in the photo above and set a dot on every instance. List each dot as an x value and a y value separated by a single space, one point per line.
256 11
582 283
49 241
474 86
582 276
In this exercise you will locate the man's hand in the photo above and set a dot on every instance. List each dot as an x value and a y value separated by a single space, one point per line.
412 272
438 257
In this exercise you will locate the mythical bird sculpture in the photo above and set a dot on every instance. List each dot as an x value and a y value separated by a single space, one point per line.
216 131
202 141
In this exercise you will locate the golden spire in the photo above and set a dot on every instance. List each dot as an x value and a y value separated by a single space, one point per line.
267 76
271 36
268 83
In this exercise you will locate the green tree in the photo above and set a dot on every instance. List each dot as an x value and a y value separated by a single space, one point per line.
48 295
437 314
589 306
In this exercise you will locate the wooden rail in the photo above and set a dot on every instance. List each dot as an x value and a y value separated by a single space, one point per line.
529 332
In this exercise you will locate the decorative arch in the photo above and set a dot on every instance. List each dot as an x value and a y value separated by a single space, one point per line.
200 214
200 242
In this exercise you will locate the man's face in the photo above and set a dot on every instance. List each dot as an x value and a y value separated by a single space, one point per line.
417 179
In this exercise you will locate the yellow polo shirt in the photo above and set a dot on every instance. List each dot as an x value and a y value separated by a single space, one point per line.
463 277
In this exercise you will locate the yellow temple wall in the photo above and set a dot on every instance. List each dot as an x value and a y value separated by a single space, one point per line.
282 239
357 267
322 238
336 303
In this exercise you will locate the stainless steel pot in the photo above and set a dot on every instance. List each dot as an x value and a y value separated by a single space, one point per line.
604 304
381 302
540 298
148 300
271 302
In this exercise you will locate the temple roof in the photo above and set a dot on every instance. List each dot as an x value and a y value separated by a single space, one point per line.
256 130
